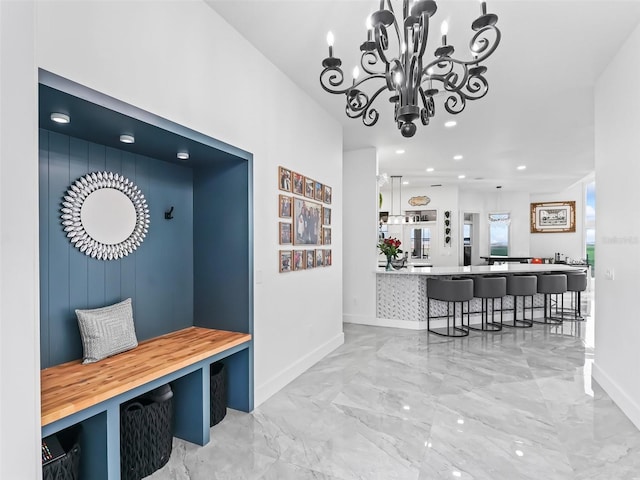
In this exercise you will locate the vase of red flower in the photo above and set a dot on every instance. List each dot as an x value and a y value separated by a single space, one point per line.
390 247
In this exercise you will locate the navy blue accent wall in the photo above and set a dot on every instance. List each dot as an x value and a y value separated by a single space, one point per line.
158 276
222 262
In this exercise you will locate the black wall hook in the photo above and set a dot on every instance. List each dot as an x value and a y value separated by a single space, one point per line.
168 215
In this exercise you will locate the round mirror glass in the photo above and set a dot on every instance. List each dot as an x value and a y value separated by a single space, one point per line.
108 216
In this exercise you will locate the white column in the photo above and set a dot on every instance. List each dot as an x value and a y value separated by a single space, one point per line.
360 237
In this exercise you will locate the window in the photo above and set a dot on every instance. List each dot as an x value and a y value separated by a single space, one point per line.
590 225
499 233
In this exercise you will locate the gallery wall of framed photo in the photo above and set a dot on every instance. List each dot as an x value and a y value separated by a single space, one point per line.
305 221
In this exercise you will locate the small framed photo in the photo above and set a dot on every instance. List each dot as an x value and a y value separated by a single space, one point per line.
327 194
298 183
326 216
284 206
299 260
285 261
284 233
327 258
311 259
308 187
319 258
284 179
318 191
326 236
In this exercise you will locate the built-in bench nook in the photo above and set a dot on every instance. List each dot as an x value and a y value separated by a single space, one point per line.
189 272
91 395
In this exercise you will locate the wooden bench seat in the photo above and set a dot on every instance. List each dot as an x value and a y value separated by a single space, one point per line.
71 387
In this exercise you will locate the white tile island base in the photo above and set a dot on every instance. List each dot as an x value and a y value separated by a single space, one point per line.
401 296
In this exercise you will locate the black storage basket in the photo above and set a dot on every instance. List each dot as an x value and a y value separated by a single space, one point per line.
67 467
146 436
218 389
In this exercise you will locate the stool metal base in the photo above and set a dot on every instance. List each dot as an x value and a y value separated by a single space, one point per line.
452 330
574 312
486 325
550 319
523 322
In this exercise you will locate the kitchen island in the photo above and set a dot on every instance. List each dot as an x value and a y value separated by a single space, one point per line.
401 295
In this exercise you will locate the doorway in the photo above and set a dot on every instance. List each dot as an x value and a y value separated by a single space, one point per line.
470 239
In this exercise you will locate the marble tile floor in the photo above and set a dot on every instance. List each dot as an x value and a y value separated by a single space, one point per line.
397 404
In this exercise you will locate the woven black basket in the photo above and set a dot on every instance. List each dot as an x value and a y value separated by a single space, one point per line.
146 436
218 389
65 468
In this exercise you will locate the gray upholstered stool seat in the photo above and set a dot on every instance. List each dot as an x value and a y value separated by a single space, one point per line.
521 286
452 292
552 284
576 284
489 288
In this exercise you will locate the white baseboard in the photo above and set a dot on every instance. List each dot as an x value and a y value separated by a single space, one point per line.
628 405
384 322
280 380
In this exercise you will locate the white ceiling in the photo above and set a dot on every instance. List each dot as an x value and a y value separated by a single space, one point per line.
539 109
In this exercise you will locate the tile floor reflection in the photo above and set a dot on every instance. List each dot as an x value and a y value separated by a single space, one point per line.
398 404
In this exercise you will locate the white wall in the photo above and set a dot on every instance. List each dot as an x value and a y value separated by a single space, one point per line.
19 304
567 244
617 144
360 236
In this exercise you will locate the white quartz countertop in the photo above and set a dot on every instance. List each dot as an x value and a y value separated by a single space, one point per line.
484 269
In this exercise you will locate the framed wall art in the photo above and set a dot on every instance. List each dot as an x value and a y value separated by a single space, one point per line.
297 185
299 260
284 233
326 236
318 191
285 261
311 258
326 216
553 217
284 206
284 179
309 186
307 217
327 258
327 194
319 258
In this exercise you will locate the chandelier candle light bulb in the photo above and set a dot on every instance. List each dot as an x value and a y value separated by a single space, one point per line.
400 79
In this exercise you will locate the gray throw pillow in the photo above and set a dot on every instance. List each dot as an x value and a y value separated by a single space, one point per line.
106 331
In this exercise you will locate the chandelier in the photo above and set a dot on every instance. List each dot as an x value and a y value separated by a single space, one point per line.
412 82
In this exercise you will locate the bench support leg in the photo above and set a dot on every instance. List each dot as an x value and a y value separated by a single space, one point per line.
191 406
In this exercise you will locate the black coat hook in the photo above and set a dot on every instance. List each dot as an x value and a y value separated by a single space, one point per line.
168 215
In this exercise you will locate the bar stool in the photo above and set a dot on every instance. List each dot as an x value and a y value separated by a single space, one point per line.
552 284
450 291
486 288
576 284
521 286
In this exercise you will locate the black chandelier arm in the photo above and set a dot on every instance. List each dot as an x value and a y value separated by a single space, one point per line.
455 103
332 77
429 107
359 105
481 46
367 60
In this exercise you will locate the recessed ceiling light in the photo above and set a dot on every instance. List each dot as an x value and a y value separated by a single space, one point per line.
522 167
461 176
430 169
400 152
183 155
450 123
60 117
458 157
405 182
127 139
